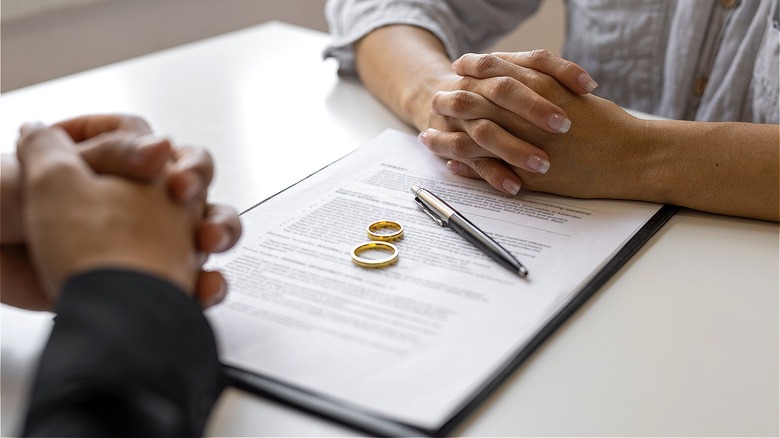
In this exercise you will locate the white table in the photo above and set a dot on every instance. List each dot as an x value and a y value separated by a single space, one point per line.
682 341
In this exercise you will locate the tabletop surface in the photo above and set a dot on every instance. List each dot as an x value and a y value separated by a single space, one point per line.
683 340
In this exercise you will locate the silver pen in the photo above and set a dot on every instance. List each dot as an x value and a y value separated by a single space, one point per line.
446 216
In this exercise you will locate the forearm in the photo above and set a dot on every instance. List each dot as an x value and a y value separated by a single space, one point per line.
403 66
726 168
719 167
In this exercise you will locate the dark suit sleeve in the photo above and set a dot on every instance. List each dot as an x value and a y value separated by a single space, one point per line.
129 355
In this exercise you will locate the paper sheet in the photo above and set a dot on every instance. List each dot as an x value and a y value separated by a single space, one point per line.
413 341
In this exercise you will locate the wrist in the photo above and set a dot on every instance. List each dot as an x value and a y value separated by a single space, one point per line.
417 103
182 274
637 162
650 169
404 66
662 164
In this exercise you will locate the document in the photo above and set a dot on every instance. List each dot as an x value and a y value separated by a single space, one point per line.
415 341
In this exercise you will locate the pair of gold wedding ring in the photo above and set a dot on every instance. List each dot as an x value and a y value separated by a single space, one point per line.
381 234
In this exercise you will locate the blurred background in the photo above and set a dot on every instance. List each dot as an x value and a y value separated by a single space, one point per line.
45 39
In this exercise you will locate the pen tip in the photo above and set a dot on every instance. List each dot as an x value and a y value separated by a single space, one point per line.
523 272
415 189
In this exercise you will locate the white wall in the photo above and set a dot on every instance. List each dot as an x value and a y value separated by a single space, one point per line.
18 9
42 39
46 39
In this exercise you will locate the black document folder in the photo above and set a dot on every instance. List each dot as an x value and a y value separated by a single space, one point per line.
249 375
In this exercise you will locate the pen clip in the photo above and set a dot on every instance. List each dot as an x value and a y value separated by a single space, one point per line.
430 212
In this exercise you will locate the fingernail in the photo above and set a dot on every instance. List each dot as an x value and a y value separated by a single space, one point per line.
219 296
144 145
453 166
192 185
422 137
587 82
559 123
538 164
224 243
147 140
511 186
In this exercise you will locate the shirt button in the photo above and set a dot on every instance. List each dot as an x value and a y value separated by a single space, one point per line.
700 85
728 4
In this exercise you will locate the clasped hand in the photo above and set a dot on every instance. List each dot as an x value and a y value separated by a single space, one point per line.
492 98
524 120
102 192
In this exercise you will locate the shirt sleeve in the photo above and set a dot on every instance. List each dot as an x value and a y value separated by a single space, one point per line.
129 355
462 25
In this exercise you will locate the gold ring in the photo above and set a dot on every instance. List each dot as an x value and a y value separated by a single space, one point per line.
374 263
374 228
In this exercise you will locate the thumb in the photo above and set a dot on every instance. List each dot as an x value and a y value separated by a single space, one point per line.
47 155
